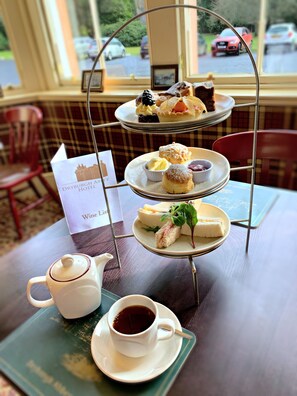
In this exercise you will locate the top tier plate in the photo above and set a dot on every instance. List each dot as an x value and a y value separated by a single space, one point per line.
136 178
126 114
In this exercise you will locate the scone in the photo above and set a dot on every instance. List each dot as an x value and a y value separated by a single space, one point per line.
175 153
177 179
185 108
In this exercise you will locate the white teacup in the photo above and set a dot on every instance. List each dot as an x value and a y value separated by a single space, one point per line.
145 321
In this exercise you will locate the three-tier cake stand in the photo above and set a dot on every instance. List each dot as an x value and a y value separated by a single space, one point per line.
147 192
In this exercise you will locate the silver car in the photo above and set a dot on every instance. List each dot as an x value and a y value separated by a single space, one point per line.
281 34
115 49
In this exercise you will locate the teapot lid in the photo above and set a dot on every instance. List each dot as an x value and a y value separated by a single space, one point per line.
70 267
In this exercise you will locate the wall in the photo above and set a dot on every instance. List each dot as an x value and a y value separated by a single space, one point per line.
67 122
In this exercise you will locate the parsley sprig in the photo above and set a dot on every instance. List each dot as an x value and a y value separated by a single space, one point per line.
182 213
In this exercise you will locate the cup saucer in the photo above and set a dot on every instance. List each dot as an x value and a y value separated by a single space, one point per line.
133 370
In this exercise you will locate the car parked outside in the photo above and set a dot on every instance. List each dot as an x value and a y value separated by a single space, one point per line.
281 34
144 49
227 42
82 45
115 49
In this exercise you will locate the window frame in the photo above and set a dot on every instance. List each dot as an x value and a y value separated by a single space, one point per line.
38 74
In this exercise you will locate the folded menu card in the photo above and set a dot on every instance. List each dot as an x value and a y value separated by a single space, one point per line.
234 199
80 187
49 355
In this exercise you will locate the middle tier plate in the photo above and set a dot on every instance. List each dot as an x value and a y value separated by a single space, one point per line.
137 180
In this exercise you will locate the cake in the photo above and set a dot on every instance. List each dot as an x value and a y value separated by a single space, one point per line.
183 88
185 108
179 89
175 153
146 108
177 179
205 92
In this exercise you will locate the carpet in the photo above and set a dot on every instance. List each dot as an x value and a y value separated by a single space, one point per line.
32 222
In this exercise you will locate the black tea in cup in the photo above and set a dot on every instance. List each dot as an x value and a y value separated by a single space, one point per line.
133 319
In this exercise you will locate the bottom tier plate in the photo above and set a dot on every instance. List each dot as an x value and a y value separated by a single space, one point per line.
182 247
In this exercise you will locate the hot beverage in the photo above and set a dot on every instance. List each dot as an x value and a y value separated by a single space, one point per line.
133 319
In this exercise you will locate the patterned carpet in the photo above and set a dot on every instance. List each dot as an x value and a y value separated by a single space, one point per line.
32 223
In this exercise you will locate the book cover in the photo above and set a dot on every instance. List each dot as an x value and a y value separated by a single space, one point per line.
49 355
234 199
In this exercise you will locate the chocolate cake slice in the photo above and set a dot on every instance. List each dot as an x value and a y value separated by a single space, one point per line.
205 92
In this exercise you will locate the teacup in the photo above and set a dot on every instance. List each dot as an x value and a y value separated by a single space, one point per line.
134 325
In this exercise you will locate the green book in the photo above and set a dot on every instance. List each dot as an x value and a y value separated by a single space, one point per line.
49 355
234 199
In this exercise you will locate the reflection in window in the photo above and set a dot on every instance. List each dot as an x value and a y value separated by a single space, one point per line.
280 43
226 55
79 28
8 71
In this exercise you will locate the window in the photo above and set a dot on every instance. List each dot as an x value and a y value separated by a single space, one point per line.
9 76
79 28
269 32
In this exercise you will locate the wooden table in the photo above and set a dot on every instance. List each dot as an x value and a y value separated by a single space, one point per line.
246 324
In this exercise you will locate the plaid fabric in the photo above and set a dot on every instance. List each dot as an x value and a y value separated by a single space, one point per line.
67 122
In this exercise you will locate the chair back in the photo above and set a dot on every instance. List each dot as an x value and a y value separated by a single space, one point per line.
24 129
276 155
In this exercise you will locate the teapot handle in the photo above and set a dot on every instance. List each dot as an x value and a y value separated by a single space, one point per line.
37 303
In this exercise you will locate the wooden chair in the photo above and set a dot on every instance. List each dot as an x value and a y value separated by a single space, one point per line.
276 155
24 128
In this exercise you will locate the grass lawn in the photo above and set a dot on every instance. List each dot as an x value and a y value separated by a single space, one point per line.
7 55
133 51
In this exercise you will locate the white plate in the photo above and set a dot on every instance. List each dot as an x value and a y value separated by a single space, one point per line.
126 113
181 197
134 370
183 246
136 177
173 130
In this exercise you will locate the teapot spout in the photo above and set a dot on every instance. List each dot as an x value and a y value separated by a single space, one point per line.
101 261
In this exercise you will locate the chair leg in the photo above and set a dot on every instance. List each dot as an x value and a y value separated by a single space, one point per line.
51 191
15 213
32 185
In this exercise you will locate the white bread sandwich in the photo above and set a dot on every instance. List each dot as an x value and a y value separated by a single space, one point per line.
150 215
167 235
207 227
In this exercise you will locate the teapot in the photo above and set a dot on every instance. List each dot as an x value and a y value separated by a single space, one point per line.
74 282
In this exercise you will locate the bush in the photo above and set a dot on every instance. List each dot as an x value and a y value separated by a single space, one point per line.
130 36
4 45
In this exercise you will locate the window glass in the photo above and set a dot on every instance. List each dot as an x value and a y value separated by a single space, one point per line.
79 28
9 75
220 51
280 43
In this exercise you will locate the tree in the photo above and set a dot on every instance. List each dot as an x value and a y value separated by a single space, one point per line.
245 13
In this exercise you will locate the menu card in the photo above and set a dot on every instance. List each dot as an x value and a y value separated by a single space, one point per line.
80 187
234 199
50 355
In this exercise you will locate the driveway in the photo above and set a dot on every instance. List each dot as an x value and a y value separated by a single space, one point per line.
276 62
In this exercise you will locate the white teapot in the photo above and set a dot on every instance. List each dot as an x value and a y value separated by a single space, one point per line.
75 282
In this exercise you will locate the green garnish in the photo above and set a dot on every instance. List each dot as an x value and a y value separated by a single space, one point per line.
182 213
153 229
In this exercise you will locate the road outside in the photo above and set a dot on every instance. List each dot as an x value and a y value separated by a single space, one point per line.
276 62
